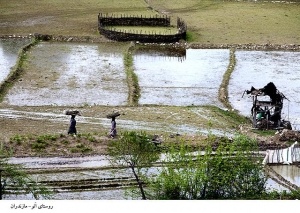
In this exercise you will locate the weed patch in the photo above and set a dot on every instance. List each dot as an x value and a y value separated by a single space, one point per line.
18 139
81 148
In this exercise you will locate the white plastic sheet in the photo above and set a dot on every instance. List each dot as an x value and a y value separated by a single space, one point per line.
285 156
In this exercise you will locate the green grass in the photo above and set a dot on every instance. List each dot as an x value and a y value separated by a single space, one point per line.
132 78
18 139
217 22
56 17
81 148
208 21
17 71
264 132
223 89
232 118
89 136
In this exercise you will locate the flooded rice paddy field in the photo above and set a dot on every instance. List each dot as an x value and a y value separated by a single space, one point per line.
192 81
9 49
64 74
60 75
92 77
74 74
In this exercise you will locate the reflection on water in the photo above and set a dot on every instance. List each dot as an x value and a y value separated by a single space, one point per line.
161 52
291 173
194 81
80 74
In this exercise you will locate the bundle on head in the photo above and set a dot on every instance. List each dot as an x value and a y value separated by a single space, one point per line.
113 115
72 112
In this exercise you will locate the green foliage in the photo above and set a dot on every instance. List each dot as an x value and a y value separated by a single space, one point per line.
133 149
90 137
80 148
231 172
132 78
189 36
18 139
44 138
136 151
231 116
65 142
42 141
15 180
293 195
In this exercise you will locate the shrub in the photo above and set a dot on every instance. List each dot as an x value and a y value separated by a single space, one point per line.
231 172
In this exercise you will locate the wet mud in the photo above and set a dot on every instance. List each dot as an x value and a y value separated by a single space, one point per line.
91 78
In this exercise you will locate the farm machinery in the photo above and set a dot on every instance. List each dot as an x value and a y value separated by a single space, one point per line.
267 107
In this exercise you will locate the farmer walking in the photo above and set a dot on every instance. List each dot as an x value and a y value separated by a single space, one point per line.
113 130
72 127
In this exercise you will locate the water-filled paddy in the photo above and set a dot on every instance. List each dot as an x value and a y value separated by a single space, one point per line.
166 80
71 74
9 49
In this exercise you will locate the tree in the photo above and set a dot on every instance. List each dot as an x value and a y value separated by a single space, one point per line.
136 151
230 172
13 178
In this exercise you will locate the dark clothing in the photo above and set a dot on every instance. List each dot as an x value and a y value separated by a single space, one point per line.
72 128
113 130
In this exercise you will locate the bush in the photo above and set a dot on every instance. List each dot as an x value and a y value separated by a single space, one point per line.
231 172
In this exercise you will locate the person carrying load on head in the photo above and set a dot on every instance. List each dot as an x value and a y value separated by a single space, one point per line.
113 129
72 127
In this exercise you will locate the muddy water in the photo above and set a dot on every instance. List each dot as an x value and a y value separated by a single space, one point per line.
258 68
9 49
72 74
94 179
289 172
171 81
80 74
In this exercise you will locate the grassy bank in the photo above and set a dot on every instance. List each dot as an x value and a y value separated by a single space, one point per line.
17 71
